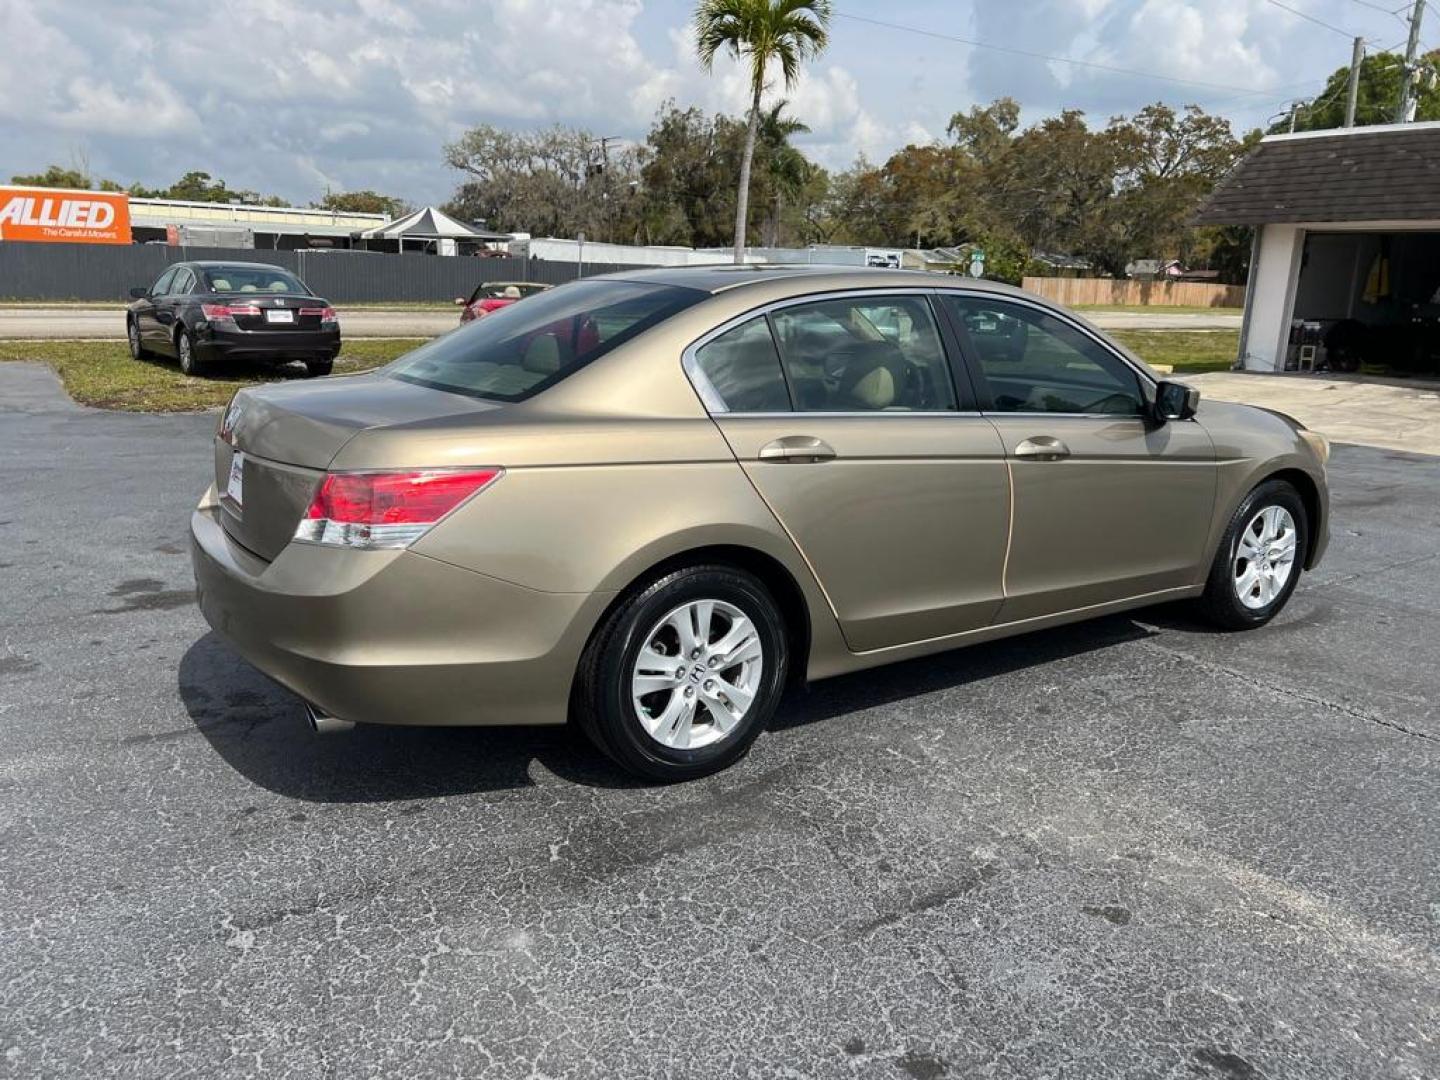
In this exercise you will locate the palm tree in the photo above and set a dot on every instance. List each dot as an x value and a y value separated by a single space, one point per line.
759 31
786 167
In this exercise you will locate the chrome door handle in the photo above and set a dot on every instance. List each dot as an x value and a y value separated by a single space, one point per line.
799 449
1042 448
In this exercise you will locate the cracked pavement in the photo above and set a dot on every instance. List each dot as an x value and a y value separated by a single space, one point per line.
1130 848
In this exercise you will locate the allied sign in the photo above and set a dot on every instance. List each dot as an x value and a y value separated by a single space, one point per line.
57 215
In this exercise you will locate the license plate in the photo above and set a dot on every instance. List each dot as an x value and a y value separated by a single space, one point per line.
235 486
279 315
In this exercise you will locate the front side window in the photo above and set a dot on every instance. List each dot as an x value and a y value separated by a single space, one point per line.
864 354
743 369
521 349
1032 361
162 283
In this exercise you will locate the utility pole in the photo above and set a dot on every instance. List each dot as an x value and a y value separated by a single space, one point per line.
1405 111
1294 108
1357 57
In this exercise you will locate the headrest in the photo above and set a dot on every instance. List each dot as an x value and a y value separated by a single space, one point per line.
875 389
220 285
542 355
279 286
511 292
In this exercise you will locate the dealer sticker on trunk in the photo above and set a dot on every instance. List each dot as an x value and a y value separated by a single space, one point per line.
235 486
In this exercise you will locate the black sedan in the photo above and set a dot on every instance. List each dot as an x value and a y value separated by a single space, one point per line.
198 312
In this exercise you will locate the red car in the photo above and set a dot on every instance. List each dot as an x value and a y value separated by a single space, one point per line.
494 295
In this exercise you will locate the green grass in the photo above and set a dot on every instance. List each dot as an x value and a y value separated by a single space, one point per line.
102 374
1185 351
1158 309
119 304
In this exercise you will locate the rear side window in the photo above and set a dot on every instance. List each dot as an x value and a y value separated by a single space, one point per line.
864 354
519 350
743 369
182 284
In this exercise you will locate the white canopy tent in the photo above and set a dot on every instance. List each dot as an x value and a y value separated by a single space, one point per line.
429 229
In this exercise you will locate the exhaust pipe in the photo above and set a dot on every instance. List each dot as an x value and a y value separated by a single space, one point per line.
322 723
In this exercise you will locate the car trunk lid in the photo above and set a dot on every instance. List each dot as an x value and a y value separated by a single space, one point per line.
268 312
282 437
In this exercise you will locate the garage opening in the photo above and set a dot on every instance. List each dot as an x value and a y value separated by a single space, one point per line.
1367 301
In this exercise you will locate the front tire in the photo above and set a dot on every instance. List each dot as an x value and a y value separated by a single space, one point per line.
1259 560
683 675
190 362
132 335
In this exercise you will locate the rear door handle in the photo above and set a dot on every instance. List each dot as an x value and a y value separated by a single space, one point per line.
798 449
1042 448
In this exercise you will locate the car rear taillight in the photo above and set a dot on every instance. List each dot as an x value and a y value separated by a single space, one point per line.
227 312
387 509
229 419
327 314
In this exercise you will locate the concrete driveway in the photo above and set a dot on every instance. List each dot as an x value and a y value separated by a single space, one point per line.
1388 413
1129 849
109 322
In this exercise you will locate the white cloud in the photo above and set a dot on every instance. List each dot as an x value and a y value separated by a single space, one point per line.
288 97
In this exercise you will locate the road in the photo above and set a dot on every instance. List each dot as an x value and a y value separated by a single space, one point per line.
1129 849
102 322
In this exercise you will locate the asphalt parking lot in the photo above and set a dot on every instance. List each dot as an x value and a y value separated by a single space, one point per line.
1131 848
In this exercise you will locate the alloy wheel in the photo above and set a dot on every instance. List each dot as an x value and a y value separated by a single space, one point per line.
183 347
697 674
1264 557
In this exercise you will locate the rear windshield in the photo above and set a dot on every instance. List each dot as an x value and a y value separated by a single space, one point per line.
261 279
521 349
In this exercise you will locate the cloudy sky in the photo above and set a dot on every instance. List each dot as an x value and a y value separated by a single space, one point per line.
293 98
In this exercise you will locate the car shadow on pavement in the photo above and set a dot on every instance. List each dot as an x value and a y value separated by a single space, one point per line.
943 671
259 728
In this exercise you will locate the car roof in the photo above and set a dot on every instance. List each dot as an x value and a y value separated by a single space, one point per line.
807 278
210 264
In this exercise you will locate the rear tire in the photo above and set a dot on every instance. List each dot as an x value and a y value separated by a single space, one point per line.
190 362
318 368
1259 560
684 674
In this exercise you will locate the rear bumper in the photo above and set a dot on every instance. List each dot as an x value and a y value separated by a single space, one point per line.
268 344
392 637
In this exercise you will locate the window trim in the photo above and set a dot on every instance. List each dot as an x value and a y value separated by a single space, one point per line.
1146 380
714 405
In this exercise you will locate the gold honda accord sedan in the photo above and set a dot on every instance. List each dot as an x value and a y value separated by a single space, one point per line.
647 502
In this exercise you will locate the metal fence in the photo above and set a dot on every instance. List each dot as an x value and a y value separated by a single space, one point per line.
106 273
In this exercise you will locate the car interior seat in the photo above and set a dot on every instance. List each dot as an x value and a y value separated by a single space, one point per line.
872 378
220 285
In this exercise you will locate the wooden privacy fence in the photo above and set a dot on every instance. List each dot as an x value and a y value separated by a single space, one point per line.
1074 292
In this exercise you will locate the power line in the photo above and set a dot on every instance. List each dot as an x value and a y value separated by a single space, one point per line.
1394 12
1311 18
1240 90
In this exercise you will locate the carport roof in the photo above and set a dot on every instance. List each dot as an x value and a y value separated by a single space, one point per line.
1383 173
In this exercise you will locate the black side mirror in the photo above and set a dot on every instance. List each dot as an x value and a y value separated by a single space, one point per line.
139 292
1175 401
